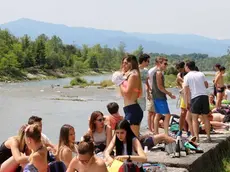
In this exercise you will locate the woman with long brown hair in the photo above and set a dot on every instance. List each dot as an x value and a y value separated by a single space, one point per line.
101 133
66 146
131 90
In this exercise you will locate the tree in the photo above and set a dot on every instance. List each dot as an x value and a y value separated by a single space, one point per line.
139 51
40 50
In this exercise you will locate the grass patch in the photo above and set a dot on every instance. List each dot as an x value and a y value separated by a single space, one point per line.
78 81
226 165
67 86
170 81
106 83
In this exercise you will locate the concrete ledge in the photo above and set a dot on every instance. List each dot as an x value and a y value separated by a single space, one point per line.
210 160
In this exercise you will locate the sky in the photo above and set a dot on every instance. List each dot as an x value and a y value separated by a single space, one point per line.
208 18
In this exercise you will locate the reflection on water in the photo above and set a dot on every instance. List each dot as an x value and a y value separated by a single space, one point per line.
15 110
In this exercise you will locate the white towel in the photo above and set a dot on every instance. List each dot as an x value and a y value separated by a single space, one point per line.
118 78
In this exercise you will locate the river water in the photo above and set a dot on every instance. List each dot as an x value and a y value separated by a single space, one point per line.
18 101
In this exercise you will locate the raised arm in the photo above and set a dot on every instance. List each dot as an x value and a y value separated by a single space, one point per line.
130 85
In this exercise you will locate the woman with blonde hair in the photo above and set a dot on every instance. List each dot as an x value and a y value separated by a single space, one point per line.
38 157
131 90
12 152
66 147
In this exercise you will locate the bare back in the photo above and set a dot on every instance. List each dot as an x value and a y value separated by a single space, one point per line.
219 80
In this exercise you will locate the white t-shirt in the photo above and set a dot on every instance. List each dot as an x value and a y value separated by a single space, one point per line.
144 76
227 92
150 75
195 80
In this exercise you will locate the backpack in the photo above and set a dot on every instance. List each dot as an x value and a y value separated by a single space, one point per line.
129 167
50 157
57 166
174 123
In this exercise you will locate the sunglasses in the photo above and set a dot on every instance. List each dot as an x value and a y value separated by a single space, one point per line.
101 120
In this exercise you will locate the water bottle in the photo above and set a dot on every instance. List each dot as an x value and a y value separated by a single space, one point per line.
177 153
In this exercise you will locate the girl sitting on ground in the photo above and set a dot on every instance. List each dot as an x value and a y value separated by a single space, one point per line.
86 159
38 158
66 147
101 133
127 146
12 152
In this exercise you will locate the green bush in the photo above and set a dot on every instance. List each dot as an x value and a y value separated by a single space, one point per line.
228 76
106 83
170 81
78 81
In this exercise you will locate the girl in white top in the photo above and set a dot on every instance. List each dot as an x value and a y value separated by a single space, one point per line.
128 147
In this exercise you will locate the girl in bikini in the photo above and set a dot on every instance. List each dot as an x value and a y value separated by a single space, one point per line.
131 90
38 158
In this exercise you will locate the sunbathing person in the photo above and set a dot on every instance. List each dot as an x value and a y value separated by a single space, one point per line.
86 160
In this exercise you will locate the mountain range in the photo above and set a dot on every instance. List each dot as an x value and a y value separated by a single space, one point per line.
156 43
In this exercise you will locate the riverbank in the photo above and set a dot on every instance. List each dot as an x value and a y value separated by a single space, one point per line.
36 74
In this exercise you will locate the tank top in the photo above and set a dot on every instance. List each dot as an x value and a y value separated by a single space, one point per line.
100 137
5 153
156 93
144 76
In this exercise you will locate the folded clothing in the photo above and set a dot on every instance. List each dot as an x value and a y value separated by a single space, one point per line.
118 78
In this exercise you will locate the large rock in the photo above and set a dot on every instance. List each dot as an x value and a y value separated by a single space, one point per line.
210 160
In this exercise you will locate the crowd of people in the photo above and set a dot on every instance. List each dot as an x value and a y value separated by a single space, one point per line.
114 137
